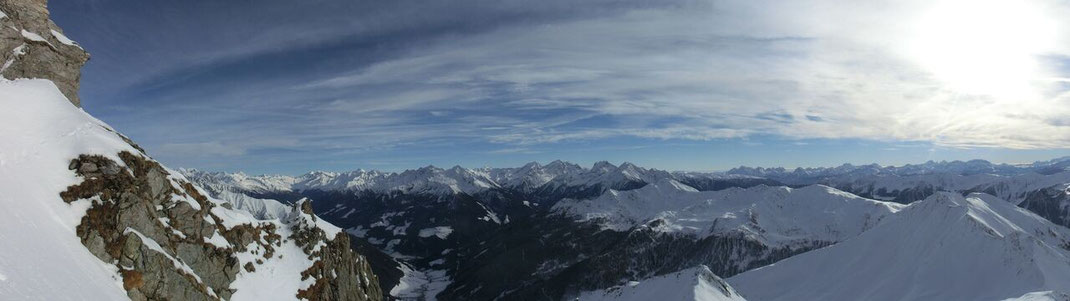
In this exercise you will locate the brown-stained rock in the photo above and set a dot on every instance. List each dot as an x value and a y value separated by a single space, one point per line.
131 279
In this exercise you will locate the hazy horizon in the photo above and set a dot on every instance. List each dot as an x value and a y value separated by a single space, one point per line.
588 165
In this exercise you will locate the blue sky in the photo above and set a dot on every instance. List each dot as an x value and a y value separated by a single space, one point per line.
277 87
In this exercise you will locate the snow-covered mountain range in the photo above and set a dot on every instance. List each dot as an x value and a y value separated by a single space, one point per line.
561 229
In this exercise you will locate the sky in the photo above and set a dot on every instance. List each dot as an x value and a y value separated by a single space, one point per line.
277 86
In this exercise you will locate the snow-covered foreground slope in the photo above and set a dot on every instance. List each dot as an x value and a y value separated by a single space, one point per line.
697 284
42 257
1042 296
946 247
772 215
87 216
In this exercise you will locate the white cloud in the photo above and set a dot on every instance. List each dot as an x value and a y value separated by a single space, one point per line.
699 70
721 70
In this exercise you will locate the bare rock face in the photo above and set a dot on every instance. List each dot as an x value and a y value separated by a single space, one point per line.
170 242
31 46
338 273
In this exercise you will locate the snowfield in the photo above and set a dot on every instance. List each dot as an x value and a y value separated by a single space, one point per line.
946 247
1042 296
697 284
773 215
42 258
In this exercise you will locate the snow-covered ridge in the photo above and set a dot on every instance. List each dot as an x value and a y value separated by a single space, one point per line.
434 180
773 215
890 187
57 162
1010 182
946 247
1042 296
697 284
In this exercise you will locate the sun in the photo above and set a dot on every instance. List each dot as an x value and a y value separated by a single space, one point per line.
984 47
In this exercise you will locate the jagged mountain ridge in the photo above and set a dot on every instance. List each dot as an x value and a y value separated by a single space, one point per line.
532 177
876 181
491 223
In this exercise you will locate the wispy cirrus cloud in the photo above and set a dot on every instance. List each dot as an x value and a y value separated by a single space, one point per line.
503 77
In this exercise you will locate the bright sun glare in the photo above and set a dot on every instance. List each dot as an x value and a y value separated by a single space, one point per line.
985 47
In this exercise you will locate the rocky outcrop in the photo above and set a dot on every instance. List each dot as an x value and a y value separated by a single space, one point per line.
337 273
31 46
170 242
157 241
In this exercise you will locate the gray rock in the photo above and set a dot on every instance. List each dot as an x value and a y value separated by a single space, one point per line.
48 58
111 169
88 168
139 198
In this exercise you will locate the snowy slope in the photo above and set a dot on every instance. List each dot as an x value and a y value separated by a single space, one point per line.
1042 296
41 257
773 215
947 247
698 284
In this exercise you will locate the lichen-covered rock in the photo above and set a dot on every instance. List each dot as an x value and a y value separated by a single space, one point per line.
31 46
145 224
170 242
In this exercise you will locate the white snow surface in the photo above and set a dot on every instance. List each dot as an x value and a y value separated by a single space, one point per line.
773 215
420 285
33 36
63 39
441 232
260 208
698 284
1042 296
946 247
42 257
